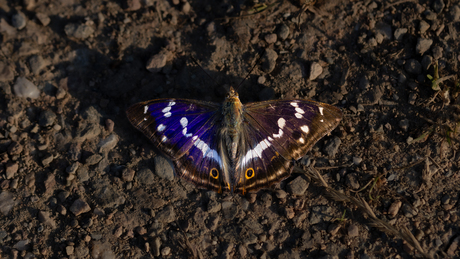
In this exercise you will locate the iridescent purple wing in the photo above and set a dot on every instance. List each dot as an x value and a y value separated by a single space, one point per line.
187 132
278 132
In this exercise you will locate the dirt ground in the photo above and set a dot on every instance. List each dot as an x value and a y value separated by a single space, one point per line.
79 181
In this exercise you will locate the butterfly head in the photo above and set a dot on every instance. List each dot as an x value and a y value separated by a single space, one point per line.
232 95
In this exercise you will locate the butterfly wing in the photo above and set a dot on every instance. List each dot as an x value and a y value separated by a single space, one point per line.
276 133
186 131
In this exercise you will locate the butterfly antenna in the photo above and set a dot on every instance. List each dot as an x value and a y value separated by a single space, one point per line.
250 71
202 69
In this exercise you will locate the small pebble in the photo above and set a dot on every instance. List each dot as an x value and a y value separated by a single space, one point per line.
270 38
315 70
24 88
79 206
19 20
109 125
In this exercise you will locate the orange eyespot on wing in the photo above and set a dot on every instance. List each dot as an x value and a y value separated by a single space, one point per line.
214 173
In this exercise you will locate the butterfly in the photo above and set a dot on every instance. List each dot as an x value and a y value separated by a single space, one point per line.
231 147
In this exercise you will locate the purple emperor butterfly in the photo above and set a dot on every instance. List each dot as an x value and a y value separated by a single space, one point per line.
231 146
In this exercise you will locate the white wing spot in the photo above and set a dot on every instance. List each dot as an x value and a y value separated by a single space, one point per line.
305 128
298 116
294 104
320 110
207 152
184 132
145 119
183 122
146 109
270 139
168 114
161 127
298 110
280 133
281 123
164 139
167 109
301 140
256 151
171 103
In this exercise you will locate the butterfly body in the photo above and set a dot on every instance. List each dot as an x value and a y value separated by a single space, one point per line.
234 147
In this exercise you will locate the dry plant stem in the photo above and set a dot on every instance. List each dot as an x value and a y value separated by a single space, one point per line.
382 225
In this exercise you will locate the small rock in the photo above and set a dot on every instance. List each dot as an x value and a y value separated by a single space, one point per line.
163 168
127 174
47 118
93 159
145 176
437 52
298 186
394 208
19 20
24 88
214 206
270 38
44 217
423 45
283 32
399 33
107 144
353 231
167 215
280 194
43 18
289 211
79 206
69 250
78 31
269 60
11 169
158 61
109 125
156 246
453 247
165 251
5 27
7 202
186 7
357 160
133 5
438 6
332 146
6 72
22 245
455 13
352 181
423 27
315 70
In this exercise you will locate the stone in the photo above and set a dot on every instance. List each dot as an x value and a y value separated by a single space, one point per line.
298 186
79 206
24 88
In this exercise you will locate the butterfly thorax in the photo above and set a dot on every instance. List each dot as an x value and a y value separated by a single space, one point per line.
232 111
